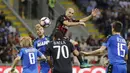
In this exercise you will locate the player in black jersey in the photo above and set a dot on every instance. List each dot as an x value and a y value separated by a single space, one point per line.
60 50
65 21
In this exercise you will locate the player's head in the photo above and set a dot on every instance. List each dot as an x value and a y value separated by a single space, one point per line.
117 27
40 31
70 12
37 26
58 35
25 42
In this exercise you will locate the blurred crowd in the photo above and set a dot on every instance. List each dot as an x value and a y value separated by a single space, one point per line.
9 39
110 10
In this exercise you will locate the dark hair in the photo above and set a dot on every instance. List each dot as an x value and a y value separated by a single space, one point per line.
117 25
58 35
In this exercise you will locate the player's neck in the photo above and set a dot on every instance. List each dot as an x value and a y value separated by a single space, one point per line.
42 36
118 33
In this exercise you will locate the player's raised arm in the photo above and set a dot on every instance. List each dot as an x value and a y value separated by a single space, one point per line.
93 14
98 51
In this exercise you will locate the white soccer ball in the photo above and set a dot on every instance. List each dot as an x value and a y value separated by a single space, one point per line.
45 22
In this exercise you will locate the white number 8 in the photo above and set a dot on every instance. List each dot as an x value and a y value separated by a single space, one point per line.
32 58
63 49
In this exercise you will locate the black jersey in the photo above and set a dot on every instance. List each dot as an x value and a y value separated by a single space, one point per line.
60 51
60 26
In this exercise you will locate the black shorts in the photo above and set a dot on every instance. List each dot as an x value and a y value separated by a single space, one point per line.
128 68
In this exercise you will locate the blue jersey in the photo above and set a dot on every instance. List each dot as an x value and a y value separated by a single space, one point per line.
117 49
40 44
29 59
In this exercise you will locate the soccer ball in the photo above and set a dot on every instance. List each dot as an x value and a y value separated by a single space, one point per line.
45 22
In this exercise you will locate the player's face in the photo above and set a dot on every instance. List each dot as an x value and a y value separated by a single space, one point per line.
70 13
37 26
40 31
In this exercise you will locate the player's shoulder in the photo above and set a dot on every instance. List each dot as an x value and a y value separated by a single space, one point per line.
35 40
47 37
22 49
107 38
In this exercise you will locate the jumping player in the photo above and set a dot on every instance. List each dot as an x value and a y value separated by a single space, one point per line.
28 55
40 44
60 50
66 20
117 50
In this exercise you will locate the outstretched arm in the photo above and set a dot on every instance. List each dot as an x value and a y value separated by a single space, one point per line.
98 51
15 63
93 14
49 61
67 23
126 56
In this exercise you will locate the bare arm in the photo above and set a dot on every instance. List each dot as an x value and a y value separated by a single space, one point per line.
41 58
98 51
49 61
86 18
75 52
93 14
67 23
15 63
126 57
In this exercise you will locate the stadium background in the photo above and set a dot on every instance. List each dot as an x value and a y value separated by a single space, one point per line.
18 18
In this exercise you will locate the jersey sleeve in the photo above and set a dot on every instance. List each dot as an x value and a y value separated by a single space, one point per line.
48 49
39 54
35 44
20 53
107 41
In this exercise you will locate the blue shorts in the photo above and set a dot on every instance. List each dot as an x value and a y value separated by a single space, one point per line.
44 70
117 68
44 67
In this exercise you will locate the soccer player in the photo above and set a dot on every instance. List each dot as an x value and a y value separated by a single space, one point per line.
60 49
66 20
117 50
40 44
28 55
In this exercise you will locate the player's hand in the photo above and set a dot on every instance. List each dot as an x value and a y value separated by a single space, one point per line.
95 12
12 70
82 23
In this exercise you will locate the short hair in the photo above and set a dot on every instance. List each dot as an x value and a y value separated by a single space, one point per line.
117 26
58 35
26 42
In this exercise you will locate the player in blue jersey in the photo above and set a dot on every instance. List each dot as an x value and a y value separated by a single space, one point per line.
117 50
40 44
29 56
